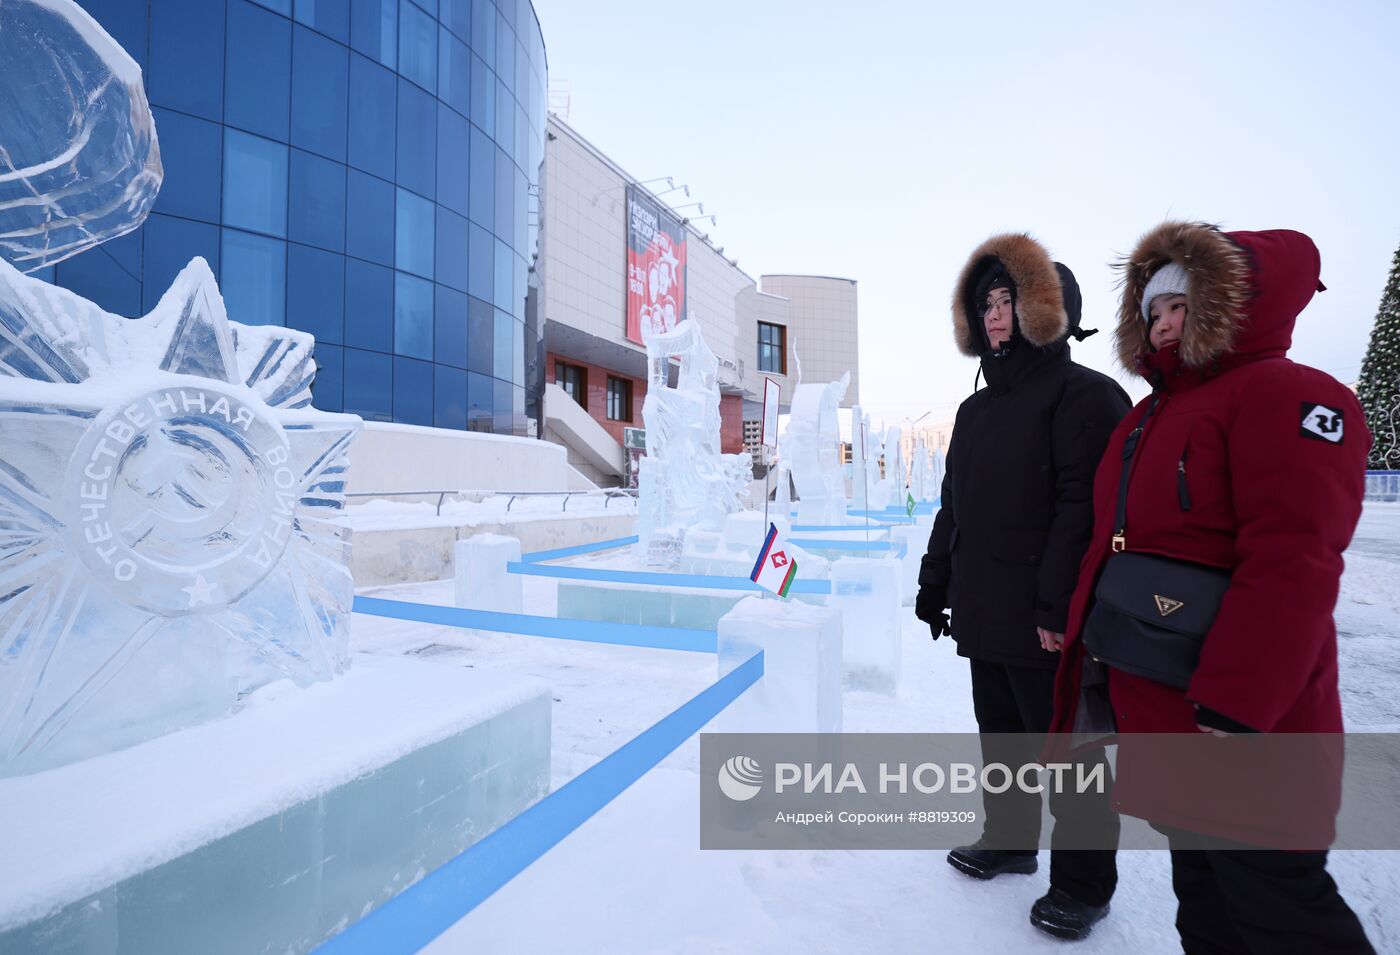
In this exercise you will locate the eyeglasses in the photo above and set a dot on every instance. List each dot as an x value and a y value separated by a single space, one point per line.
1001 301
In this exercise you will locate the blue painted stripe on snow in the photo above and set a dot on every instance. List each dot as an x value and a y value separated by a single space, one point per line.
831 544
422 912
587 631
649 578
810 528
561 552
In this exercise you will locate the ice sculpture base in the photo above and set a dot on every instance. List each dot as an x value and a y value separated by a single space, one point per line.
801 687
653 606
274 828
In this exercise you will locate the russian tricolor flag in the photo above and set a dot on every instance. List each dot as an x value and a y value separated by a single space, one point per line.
776 568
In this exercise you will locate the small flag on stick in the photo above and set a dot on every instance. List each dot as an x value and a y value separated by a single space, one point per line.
909 506
775 568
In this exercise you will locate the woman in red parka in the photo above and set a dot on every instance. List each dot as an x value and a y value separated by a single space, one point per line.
1253 464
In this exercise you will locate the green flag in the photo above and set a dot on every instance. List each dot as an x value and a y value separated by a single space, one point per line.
909 506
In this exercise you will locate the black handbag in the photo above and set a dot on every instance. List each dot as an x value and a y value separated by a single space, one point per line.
1151 613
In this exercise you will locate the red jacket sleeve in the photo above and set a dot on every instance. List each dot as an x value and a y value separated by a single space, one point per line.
1297 483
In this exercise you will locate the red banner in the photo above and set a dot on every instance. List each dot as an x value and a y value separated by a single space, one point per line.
655 267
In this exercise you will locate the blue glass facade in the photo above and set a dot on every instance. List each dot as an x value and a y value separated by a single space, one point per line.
364 170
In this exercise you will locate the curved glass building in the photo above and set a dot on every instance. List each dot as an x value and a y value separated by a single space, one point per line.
364 170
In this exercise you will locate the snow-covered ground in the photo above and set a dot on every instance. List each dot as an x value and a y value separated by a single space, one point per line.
633 880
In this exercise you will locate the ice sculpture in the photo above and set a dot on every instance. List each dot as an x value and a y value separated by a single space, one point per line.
684 480
79 161
168 505
811 448
890 490
168 499
921 475
860 484
939 464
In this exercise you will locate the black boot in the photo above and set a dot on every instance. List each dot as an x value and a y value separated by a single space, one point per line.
981 862
1063 916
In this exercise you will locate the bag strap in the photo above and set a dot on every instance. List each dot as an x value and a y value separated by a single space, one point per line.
1130 445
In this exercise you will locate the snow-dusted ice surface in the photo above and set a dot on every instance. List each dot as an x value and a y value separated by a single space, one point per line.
633 880
79 161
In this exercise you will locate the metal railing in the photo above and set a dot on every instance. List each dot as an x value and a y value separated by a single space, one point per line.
608 493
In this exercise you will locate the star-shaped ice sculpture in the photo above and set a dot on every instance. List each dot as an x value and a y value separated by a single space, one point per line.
168 506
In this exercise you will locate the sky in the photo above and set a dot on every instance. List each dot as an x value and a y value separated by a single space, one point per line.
883 141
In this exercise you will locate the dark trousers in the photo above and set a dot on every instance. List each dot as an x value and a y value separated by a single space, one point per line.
1021 700
1259 901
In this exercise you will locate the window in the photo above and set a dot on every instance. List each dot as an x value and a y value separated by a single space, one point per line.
417 140
454 137
479 400
254 278
320 88
317 207
190 151
418 47
258 73
454 73
574 381
369 218
413 392
504 215
374 28
187 57
481 334
316 293
255 183
413 316
451 251
619 399
450 331
414 234
503 341
331 17
482 186
369 306
772 348
374 118
367 381
449 398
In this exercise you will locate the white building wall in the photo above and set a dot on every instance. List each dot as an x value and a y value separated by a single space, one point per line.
822 327
585 247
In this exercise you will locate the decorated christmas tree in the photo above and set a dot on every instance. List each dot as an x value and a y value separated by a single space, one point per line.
1379 387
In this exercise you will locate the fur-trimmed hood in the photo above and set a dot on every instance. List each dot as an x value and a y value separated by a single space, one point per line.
1246 290
1048 302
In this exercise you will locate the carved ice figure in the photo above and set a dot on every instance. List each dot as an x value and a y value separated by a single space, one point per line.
79 161
685 483
812 449
938 472
169 502
921 478
168 518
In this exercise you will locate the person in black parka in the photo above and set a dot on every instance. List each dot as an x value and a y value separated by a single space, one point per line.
1004 554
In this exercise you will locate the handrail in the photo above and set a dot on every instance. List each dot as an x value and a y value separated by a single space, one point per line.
609 493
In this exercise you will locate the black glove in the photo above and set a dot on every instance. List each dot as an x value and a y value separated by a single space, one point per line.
929 608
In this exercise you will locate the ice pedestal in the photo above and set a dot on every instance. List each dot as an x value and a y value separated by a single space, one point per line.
801 687
276 827
651 606
866 593
915 540
482 581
